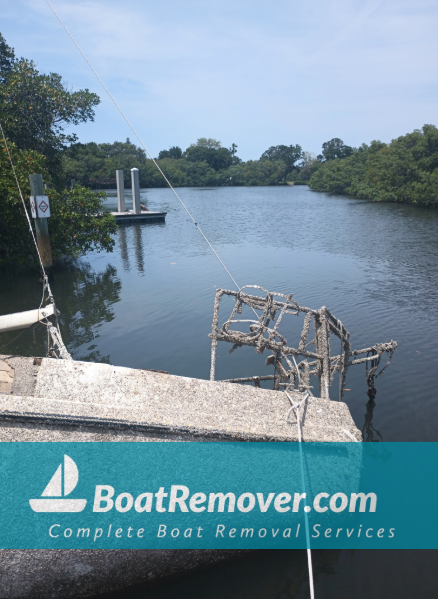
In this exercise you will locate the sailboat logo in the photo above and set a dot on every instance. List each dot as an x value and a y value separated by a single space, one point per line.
54 496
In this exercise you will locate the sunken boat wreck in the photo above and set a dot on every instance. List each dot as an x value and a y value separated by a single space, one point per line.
56 398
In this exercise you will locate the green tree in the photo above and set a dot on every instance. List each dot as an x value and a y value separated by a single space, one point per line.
78 225
88 161
305 169
253 173
75 226
207 142
173 152
7 58
119 150
200 165
335 148
406 170
217 158
36 109
289 155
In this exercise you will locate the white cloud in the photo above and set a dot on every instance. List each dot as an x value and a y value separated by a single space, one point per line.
247 72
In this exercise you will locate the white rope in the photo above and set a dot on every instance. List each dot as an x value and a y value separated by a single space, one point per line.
352 437
45 277
64 353
296 408
141 142
24 204
58 344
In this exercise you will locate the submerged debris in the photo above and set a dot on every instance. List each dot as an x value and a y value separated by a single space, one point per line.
263 333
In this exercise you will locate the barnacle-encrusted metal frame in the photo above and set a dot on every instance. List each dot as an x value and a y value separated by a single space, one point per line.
263 333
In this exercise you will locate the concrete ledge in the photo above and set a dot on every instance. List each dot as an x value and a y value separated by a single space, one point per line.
162 402
140 419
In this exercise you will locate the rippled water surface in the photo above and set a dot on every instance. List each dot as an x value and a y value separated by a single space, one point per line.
149 305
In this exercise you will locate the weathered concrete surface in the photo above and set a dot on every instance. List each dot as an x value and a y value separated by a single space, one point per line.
6 377
180 404
64 391
23 373
80 401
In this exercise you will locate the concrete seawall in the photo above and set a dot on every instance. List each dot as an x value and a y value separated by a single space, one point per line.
124 401
62 400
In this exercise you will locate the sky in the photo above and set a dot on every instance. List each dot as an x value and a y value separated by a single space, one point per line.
249 72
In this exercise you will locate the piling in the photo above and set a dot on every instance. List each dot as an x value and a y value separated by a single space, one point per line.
120 191
41 224
135 180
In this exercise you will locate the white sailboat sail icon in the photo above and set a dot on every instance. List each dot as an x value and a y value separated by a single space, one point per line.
67 476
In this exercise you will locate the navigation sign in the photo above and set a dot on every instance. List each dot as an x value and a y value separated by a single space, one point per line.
33 206
43 206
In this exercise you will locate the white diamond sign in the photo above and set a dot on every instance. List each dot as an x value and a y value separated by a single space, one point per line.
43 206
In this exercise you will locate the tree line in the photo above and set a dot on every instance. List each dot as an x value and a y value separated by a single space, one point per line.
204 163
405 170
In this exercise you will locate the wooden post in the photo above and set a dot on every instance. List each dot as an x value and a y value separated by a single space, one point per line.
41 225
120 191
135 181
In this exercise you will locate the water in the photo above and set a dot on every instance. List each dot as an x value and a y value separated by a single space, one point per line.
149 305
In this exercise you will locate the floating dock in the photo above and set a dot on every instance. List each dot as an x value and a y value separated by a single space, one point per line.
145 216
43 399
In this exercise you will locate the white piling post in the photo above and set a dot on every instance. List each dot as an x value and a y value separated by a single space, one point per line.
120 191
135 181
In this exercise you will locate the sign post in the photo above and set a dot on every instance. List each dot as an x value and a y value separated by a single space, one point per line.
40 208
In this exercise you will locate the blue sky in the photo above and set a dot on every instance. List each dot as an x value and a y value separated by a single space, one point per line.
249 72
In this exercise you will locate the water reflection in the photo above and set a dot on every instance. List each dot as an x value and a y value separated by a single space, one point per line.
138 245
124 249
368 430
85 298
131 241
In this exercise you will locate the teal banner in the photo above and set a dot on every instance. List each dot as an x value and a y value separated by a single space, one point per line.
218 495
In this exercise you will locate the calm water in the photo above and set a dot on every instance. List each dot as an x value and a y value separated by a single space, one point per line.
149 305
